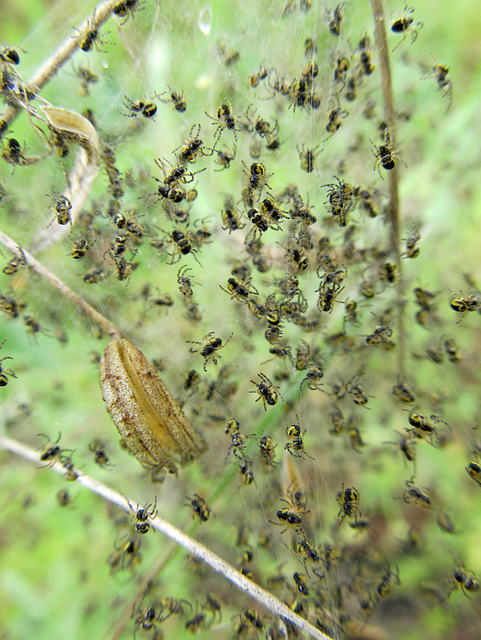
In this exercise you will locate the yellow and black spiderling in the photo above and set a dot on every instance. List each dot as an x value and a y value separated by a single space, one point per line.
266 390
295 446
142 515
200 509
5 373
176 98
385 154
348 499
143 107
405 24
209 347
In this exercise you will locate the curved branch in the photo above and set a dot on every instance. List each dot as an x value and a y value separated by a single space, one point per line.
61 56
196 548
108 326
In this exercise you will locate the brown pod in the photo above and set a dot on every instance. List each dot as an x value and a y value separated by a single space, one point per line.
152 425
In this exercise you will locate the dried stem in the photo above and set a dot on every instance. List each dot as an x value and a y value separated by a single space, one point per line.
196 548
86 166
61 56
38 267
77 128
393 207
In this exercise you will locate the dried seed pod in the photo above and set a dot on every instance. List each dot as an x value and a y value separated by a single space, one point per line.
152 425
75 127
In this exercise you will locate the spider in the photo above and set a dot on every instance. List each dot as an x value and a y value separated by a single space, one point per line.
295 446
257 176
349 503
225 157
340 199
4 372
240 289
183 243
307 157
199 507
225 120
173 176
296 509
144 107
264 129
385 154
335 116
267 391
193 147
329 288
406 25
209 347
440 73
91 37
176 99
142 515
62 208
127 8
14 153
231 217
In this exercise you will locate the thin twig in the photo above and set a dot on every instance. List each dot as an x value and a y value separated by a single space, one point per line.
61 56
108 326
85 168
389 116
393 179
196 548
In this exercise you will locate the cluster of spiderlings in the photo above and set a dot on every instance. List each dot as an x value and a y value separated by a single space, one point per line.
12 307
257 214
153 610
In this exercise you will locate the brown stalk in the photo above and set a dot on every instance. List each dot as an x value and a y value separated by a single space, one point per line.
393 179
38 267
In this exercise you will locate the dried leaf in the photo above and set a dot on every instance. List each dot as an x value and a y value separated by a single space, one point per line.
152 425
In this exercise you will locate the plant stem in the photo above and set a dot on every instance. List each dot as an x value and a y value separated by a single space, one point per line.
196 548
38 267
85 169
61 56
393 179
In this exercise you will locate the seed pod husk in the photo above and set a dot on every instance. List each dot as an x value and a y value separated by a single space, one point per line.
152 425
